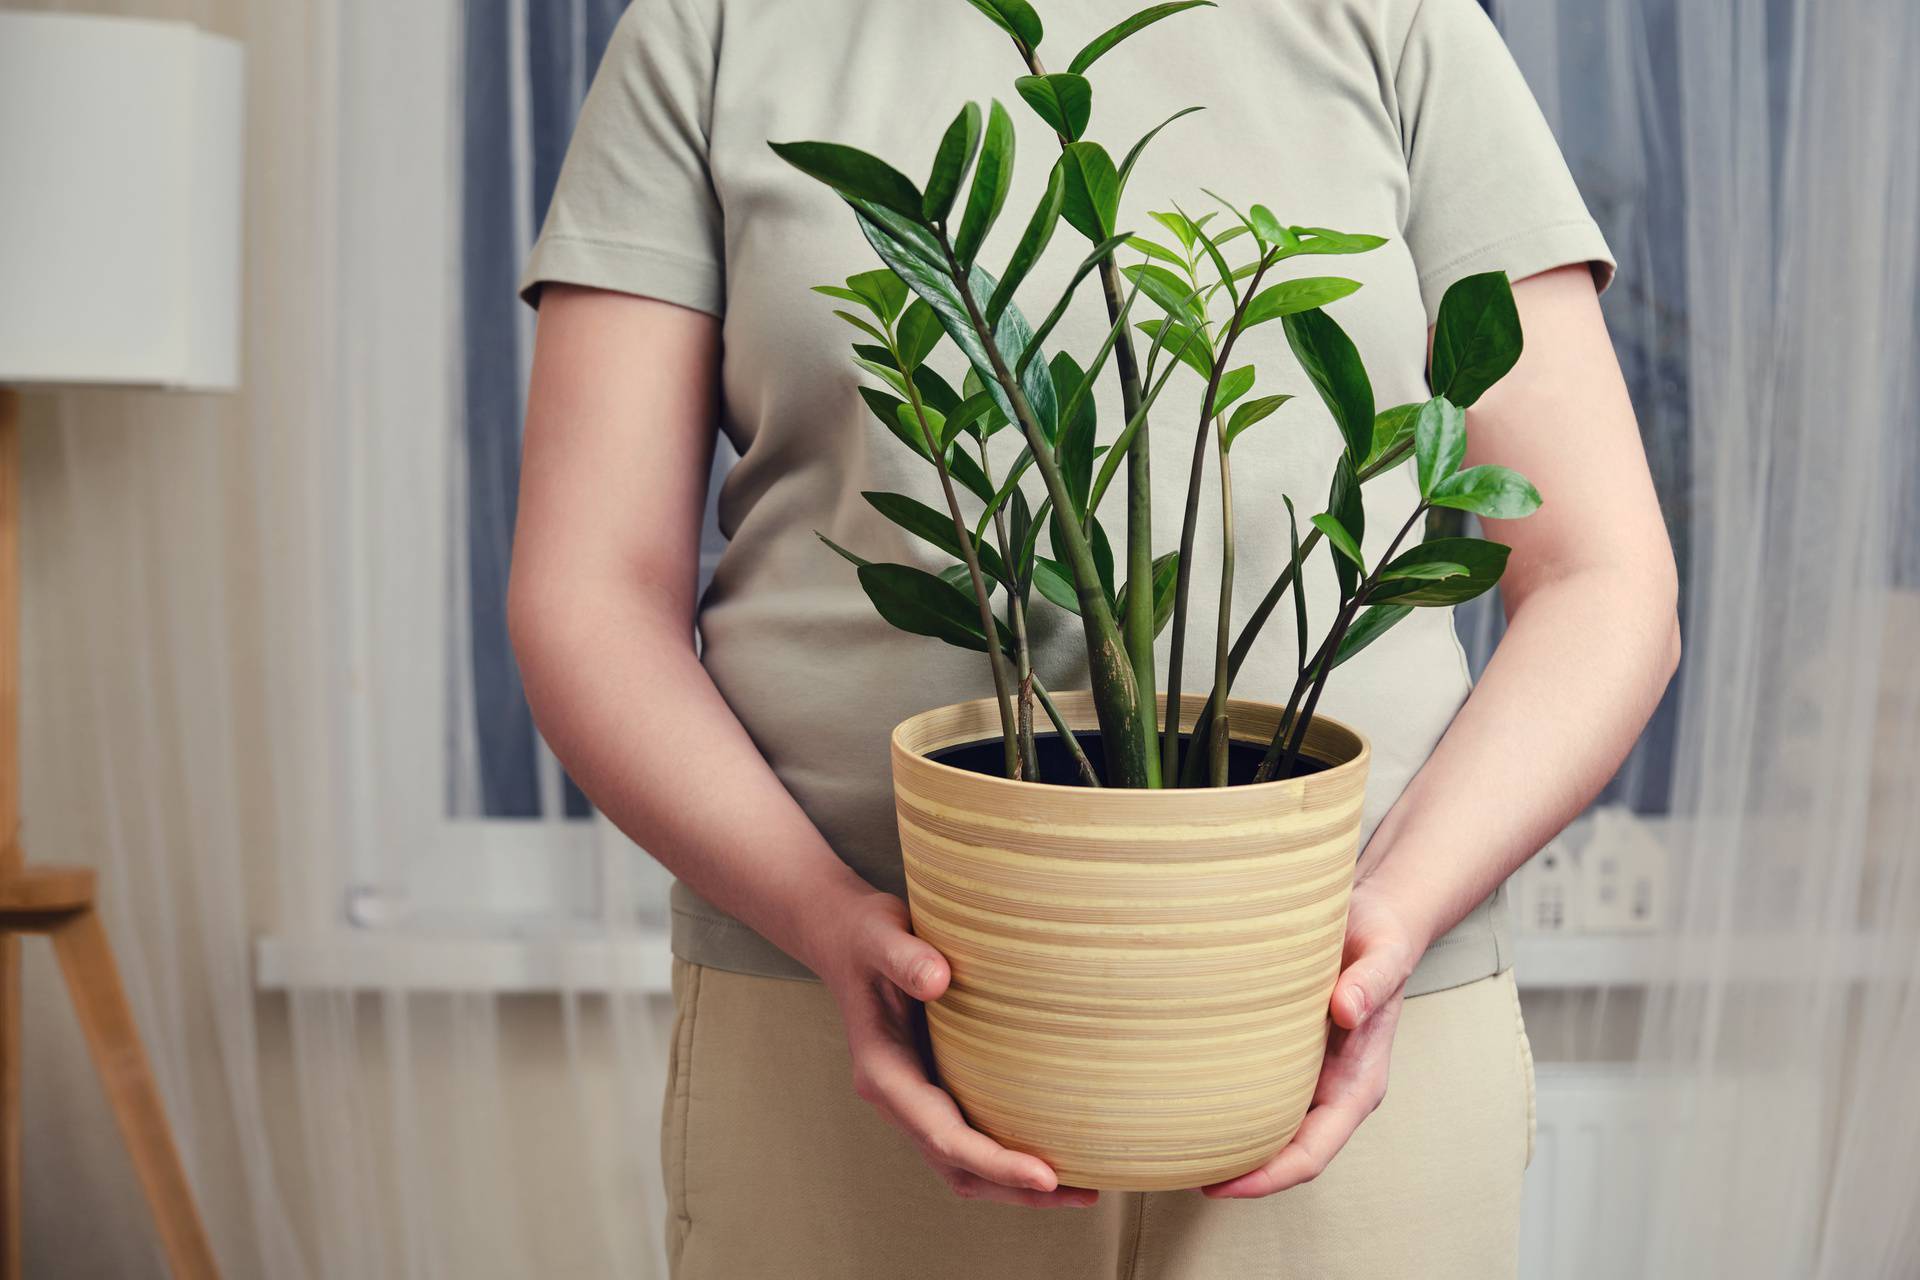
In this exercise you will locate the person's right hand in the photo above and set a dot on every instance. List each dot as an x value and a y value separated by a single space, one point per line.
877 971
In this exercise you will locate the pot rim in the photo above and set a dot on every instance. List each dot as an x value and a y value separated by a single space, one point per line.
1071 701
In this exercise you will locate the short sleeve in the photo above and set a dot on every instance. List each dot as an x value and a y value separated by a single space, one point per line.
634 209
1489 189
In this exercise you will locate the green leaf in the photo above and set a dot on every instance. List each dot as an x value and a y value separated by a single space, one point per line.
1105 249
1392 428
1299 588
1190 348
1234 383
926 605
842 293
885 372
1310 241
934 527
1345 504
972 386
911 431
919 333
1154 249
1439 442
1179 224
1423 571
991 179
962 578
862 326
1482 561
1212 246
889 409
969 474
1476 338
1267 228
845 554
1333 365
951 162
884 291
1063 100
1290 297
853 172
1054 581
1073 447
1093 190
1033 242
1256 410
1374 621
1165 576
934 389
1016 18
1100 44
1139 148
1495 492
1336 533
1169 292
963 418
909 251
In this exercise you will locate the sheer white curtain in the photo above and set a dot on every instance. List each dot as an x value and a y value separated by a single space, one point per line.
249 701
1754 161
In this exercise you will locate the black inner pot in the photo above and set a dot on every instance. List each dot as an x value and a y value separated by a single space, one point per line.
1057 767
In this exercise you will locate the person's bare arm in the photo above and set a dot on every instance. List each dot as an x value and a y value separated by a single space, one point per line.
621 421
1592 640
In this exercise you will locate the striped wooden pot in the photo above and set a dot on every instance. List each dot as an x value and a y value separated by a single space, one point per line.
1140 978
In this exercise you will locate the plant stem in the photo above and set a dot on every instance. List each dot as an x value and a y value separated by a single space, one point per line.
1114 693
1183 576
1017 612
1137 625
1217 740
1071 743
1009 726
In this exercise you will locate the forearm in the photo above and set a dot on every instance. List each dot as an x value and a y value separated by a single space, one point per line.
618 692
1580 669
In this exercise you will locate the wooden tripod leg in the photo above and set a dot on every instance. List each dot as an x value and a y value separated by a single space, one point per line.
94 983
10 1220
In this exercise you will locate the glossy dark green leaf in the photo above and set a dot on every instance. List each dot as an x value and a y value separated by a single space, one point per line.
1476 338
1439 442
969 474
1256 410
1392 429
1423 571
909 251
884 291
853 172
951 162
933 527
965 416
1165 576
992 178
962 577
1346 505
1064 100
1332 364
1073 447
1495 492
935 390
1139 148
889 410
1054 581
1106 40
1336 533
919 333
995 418
862 326
1374 621
1016 18
844 554
926 605
1483 561
1290 297
1093 190
1033 242
1299 584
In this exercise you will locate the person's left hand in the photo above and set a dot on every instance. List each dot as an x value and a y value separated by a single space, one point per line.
1381 950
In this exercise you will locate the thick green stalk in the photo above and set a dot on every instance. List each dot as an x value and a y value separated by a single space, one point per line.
1189 526
989 626
1114 692
1137 625
1017 621
1217 738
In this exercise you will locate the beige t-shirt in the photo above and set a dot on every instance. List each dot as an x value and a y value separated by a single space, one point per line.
1404 118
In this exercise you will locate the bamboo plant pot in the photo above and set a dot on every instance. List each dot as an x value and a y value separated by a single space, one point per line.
1140 978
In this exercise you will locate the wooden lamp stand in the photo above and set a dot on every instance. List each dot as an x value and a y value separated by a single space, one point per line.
59 902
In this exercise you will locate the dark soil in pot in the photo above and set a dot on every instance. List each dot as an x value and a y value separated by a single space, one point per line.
1058 768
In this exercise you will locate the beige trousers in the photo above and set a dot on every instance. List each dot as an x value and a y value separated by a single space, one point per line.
775 1171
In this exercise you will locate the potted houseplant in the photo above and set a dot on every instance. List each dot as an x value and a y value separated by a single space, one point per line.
1141 889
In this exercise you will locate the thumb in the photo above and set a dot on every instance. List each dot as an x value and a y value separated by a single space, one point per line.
1368 983
912 965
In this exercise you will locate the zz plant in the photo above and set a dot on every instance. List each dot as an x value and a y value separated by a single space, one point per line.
1210 279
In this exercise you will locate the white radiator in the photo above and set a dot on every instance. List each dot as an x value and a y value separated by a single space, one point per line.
1581 1216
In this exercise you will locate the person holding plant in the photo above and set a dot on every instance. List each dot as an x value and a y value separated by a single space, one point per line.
672 279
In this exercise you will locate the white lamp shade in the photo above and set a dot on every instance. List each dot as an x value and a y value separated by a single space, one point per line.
120 199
